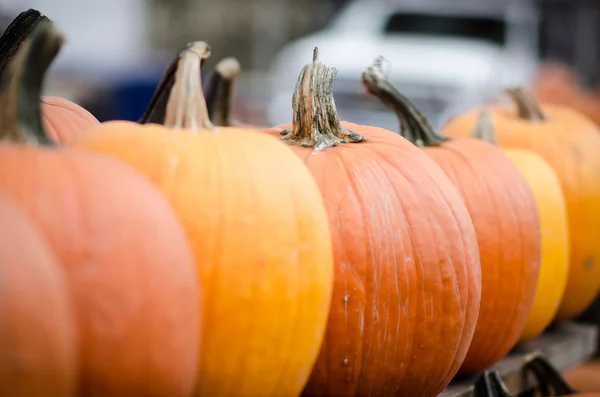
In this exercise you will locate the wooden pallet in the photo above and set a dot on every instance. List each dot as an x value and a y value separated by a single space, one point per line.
565 346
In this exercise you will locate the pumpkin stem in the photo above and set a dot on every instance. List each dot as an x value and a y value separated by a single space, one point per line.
489 384
156 111
20 91
315 120
186 107
413 124
484 127
549 380
15 34
219 91
527 105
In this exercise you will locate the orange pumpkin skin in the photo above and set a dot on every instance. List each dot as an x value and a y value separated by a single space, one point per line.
128 265
259 231
584 376
64 120
38 355
261 242
407 277
570 143
504 213
557 84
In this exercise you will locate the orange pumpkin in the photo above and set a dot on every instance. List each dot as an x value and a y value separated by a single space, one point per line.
62 119
584 376
557 84
128 264
37 323
570 143
505 216
258 228
407 282
554 230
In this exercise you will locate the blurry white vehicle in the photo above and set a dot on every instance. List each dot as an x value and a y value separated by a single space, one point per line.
445 55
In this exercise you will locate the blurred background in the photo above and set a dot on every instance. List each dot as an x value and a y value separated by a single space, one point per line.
446 55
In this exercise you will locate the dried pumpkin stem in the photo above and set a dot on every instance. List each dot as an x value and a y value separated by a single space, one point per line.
528 107
550 382
15 35
220 90
315 120
490 384
484 127
20 92
156 111
413 124
186 107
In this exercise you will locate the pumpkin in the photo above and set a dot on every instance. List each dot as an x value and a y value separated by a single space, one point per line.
584 376
558 84
407 276
259 231
549 380
570 143
37 345
62 119
554 263
128 265
503 211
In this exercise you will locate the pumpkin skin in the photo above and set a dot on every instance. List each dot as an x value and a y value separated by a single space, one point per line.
504 213
64 120
557 84
554 230
38 355
127 262
570 144
407 277
505 216
584 376
259 231
555 243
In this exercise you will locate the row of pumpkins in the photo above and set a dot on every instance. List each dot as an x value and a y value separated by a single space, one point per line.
176 257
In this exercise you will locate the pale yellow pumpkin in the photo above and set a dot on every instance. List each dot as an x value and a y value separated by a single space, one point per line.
554 267
554 230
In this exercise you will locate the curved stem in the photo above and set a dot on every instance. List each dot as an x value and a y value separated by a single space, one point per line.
315 120
549 380
484 127
20 109
528 107
186 106
156 110
413 124
15 35
219 91
489 384
482 387
500 389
